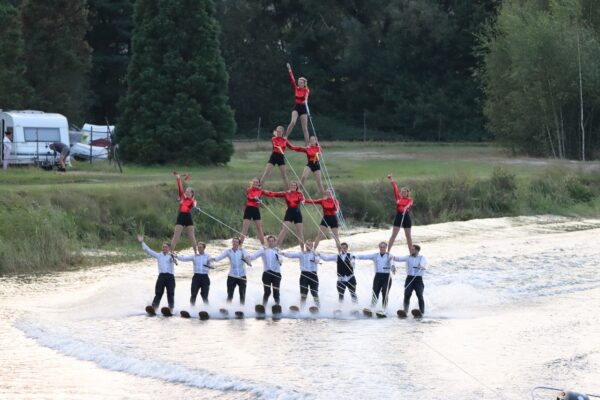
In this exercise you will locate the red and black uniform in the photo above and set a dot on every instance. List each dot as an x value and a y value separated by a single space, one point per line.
293 200
253 194
313 153
186 204
403 205
301 96
279 144
330 209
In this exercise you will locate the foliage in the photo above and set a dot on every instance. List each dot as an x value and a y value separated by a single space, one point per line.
176 107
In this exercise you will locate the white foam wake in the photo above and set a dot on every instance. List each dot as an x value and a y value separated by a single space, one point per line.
62 342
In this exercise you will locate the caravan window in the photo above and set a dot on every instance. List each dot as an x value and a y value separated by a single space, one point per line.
42 134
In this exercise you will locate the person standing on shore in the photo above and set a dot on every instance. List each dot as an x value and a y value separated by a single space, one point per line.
200 280
415 268
271 277
238 258
6 147
345 271
402 220
187 201
382 283
166 273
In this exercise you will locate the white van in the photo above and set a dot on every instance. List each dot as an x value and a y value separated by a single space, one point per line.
33 132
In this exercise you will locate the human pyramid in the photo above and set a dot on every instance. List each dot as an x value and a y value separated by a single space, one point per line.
270 253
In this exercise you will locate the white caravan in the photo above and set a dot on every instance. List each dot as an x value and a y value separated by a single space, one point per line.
33 132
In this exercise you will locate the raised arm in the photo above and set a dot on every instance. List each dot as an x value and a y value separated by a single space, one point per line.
291 74
396 191
148 250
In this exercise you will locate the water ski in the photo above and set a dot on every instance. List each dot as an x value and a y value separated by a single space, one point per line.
259 308
184 314
223 312
367 312
381 314
239 315
276 309
417 313
294 309
313 309
166 311
150 311
401 314
203 315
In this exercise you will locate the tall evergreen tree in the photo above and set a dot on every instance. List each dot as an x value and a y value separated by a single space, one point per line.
176 107
110 37
57 56
14 91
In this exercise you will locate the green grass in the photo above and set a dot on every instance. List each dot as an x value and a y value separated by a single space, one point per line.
48 218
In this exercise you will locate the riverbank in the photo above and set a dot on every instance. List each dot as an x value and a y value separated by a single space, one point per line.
90 216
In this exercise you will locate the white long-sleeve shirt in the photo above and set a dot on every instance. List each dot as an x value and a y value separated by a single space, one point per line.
165 262
237 267
271 260
308 260
415 266
200 262
381 262
7 145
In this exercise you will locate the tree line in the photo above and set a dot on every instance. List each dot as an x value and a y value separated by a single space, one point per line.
183 77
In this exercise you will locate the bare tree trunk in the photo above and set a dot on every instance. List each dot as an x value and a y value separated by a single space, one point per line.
550 140
562 132
581 101
556 123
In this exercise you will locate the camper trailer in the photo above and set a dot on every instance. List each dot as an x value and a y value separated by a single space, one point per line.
33 132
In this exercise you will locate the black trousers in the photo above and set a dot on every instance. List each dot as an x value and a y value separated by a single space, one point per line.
309 280
351 285
240 282
200 282
164 281
414 283
381 284
271 278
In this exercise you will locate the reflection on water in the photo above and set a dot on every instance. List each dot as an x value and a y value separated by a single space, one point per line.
510 305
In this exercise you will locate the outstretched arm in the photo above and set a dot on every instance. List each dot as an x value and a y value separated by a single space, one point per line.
396 191
179 185
315 201
291 254
366 256
328 257
273 194
291 74
299 149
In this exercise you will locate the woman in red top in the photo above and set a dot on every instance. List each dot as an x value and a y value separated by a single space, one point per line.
313 153
402 220
252 212
294 198
187 202
301 92
330 208
279 142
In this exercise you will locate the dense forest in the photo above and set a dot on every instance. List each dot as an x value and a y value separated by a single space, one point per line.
523 72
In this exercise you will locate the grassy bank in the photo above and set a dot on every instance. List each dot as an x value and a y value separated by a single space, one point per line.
48 220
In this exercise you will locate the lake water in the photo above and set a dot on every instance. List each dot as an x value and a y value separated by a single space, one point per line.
512 303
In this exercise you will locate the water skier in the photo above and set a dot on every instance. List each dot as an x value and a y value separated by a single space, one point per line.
313 154
252 211
294 198
238 259
301 92
345 272
166 273
415 268
271 277
382 283
309 260
187 201
330 209
280 143
402 220
200 280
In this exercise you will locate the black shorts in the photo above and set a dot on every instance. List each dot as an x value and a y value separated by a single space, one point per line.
330 221
276 159
184 219
314 166
399 222
293 215
300 108
252 213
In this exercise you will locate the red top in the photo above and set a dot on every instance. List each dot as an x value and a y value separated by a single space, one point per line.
252 194
279 144
313 153
301 93
329 204
402 203
185 203
293 199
